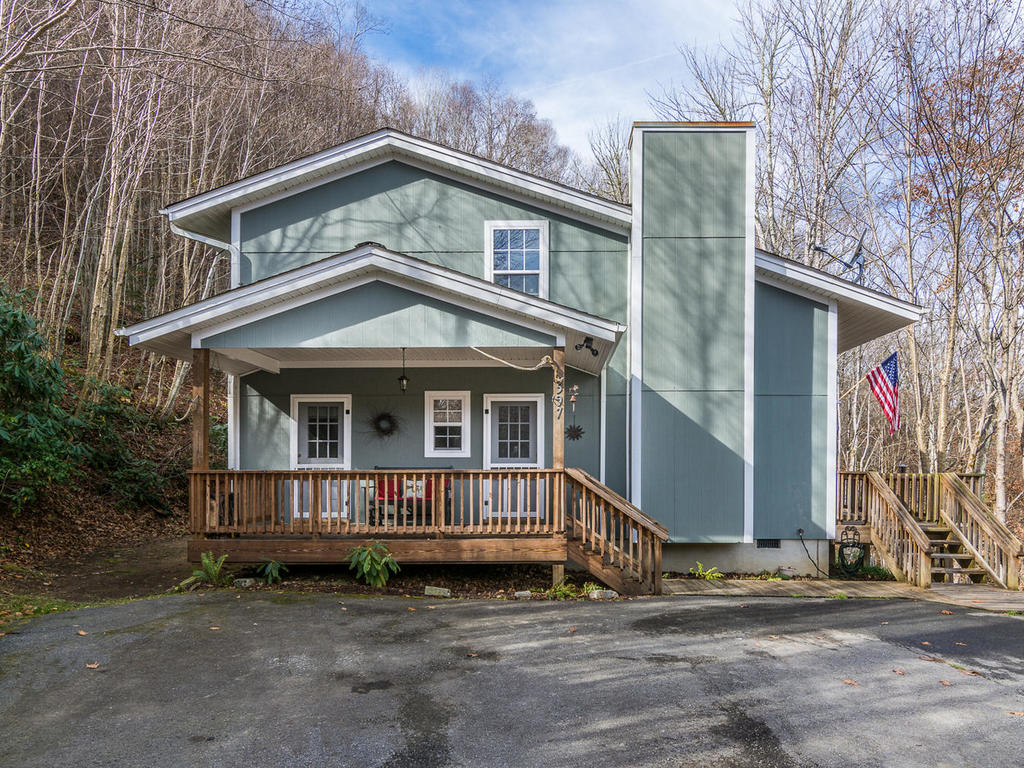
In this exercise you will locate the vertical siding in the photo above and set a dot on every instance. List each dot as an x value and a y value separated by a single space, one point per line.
790 415
694 288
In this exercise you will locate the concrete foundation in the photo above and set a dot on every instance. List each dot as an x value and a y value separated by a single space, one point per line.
747 558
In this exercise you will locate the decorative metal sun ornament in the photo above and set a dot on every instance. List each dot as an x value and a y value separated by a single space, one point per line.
574 431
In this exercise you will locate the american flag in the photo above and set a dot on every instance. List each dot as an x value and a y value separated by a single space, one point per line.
885 383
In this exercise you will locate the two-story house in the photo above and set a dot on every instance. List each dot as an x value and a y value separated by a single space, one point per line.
479 365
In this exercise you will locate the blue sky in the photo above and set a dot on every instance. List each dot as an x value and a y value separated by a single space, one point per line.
579 62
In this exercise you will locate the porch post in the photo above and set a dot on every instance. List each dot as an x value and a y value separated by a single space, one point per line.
558 410
201 409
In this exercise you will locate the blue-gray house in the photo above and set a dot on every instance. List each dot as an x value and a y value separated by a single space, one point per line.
476 364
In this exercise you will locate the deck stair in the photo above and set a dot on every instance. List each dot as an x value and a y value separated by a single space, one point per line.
932 528
612 539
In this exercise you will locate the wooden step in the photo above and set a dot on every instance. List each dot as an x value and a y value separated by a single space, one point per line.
934 527
952 556
966 571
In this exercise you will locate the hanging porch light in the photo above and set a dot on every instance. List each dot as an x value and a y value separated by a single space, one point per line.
403 380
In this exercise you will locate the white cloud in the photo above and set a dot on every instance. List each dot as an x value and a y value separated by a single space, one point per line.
580 62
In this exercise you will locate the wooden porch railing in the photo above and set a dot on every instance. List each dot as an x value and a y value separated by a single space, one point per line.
623 544
917 491
607 526
991 543
390 503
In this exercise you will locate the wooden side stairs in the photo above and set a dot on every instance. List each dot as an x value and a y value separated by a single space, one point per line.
610 538
932 528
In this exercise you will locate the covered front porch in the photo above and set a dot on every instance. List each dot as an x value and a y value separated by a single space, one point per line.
383 398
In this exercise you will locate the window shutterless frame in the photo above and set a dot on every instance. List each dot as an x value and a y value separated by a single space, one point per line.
491 272
439 407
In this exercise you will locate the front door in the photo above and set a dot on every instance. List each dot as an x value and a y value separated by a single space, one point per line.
513 435
321 440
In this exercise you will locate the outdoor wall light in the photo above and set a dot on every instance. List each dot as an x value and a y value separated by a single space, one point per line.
403 380
588 343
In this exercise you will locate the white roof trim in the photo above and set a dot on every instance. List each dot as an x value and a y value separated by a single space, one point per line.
829 286
525 310
473 169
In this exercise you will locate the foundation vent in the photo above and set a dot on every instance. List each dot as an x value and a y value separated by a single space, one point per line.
768 544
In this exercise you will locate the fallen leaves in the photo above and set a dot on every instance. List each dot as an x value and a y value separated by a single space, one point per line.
472 655
1015 713
930 658
411 608
214 628
925 642
773 637
93 665
572 629
945 682
944 612
963 645
851 681
884 623
899 671
82 632
969 672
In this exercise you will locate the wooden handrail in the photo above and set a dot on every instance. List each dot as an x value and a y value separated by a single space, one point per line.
991 543
897 536
910 524
612 537
633 512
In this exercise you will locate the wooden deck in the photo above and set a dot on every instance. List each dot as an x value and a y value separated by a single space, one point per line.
547 516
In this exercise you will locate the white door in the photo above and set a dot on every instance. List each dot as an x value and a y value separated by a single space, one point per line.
514 439
321 439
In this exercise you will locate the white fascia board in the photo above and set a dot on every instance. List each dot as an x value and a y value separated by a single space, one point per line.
832 430
826 287
433 154
749 271
282 287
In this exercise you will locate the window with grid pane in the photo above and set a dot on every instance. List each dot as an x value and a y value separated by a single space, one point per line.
514 433
517 254
447 424
323 434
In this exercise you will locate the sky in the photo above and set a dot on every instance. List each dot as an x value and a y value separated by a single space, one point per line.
581 63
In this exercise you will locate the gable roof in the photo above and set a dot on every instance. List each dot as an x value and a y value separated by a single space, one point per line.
864 314
209 214
176 333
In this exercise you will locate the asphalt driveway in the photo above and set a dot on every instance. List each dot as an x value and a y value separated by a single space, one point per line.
292 680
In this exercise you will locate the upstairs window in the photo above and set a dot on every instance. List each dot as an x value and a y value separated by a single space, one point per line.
517 255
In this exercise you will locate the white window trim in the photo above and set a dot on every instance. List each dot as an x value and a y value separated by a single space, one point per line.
542 225
293 431
541 433
429 451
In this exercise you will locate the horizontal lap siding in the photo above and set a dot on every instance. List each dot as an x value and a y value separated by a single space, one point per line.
266 401
378 315
442 221
790 415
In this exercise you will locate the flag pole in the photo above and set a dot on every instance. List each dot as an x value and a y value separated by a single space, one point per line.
852 388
